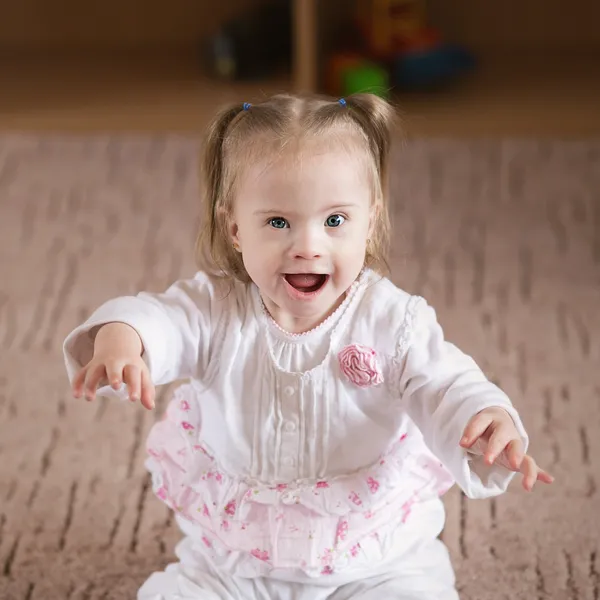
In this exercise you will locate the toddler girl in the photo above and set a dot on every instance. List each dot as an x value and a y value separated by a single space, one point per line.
324 413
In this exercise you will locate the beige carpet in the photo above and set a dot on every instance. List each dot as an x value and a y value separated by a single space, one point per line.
503 237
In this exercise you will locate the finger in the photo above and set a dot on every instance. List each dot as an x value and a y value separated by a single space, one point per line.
515 451
132 377
114 374
545 477
148 393
499 440
92 380
529 471
77 385
475 428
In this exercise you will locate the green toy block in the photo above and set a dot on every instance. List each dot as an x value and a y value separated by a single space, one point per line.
366 78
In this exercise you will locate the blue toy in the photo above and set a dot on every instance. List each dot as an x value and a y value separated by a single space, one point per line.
430 67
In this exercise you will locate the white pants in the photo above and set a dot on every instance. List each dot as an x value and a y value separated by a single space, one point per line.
424 575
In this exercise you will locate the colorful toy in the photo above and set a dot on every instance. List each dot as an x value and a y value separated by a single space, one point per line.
366 78
335 70
396 34
387 25
349 73
430 68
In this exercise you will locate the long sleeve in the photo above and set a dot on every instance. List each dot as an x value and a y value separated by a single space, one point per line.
442 389
176 328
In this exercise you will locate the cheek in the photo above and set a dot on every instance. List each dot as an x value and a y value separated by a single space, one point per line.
351 246
350 250
355 237
259 254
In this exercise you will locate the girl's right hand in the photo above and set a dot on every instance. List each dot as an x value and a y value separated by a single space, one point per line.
117 360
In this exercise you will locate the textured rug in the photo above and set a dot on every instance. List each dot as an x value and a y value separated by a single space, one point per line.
503 237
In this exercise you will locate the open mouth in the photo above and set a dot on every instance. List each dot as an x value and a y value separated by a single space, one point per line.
306 283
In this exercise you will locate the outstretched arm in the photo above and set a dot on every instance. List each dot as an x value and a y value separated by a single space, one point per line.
446 394
173 329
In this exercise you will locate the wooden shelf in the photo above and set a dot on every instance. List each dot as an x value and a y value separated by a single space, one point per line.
505 96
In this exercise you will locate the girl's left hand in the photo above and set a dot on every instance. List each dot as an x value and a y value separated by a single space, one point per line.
492 432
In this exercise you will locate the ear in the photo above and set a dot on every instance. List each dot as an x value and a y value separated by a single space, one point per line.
234 233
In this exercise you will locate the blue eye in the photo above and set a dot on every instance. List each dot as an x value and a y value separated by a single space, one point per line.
334 220
278 223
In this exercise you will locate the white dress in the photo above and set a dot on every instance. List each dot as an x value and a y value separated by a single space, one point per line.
313 459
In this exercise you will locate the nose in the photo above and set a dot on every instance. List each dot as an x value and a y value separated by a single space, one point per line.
307 244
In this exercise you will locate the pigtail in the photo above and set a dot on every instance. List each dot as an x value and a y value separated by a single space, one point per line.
209 245
377 119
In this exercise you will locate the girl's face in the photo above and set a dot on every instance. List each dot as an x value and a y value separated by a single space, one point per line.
302 225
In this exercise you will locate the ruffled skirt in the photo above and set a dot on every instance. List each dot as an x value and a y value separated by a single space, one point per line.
318 527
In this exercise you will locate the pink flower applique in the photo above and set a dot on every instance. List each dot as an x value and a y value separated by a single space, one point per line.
360 365
281 487
403 437
342 531
354 550
184 405
260 554
321 484
225 525
207 542
327 570
161 492
230 508
355 499
368 514
205 511
187 426
373 485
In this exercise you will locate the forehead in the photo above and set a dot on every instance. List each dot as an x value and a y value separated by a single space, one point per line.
311 175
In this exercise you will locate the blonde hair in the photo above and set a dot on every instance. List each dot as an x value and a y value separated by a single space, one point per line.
242 133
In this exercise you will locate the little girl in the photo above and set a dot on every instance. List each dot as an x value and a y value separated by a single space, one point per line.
324 413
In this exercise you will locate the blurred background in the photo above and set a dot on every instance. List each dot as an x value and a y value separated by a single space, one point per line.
459 67
495 202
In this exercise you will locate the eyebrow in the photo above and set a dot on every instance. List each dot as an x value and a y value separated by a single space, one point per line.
277 211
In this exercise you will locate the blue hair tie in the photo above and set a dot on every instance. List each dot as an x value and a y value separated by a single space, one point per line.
342 101
246 105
